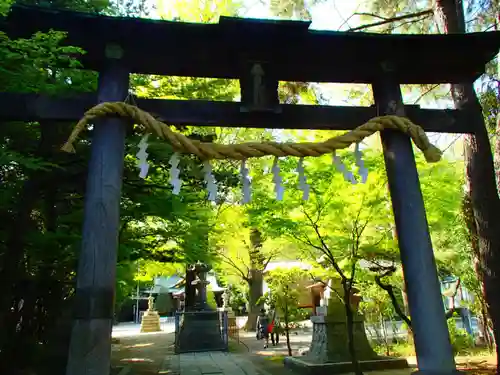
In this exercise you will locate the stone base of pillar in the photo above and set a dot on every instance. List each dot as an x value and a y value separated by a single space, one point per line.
303 367
150 322
330 342
423 372
329 351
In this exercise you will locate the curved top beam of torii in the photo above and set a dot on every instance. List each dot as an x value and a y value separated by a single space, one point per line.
292 51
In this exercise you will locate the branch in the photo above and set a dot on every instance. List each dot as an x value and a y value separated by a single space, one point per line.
269 258
390 291
320 205
427 12
326 250
231 263
370 15
412 21
124 226
220 210
324 247
357 232
243 262
425 93
307 241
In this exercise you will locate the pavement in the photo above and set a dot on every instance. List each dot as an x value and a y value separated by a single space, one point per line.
299 340
138 353
130 329
213 363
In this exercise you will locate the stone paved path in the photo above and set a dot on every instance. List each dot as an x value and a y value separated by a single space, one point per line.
300 341
210 363
141 354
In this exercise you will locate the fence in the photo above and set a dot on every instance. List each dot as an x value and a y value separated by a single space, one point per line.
199 331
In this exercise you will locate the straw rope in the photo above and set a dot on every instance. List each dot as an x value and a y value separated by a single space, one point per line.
241 151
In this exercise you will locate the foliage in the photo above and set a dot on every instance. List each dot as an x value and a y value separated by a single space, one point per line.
460 339
285 289
237 298
376 305
293 9
481 195
41 197
202 11
211 302
401 349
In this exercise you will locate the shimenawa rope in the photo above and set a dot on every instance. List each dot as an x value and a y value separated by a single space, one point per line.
242 151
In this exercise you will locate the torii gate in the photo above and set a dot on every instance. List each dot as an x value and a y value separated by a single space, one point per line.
241 49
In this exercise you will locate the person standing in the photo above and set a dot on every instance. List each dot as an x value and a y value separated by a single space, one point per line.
275 329
263 327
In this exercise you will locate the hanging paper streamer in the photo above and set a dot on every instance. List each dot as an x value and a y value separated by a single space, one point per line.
210 181
278 180
142 157
303 185
363 172
175 181
339 164
245 182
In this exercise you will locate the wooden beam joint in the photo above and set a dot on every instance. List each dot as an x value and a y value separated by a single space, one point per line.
259 88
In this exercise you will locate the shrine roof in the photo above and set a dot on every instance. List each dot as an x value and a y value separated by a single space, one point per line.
298 54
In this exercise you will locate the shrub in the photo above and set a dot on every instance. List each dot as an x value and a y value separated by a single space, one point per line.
461 341
211 302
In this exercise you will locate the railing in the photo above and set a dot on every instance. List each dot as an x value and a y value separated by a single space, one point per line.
167 323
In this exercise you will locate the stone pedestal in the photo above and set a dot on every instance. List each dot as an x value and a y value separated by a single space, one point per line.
329 349
150 322
200 330
330 342
151 319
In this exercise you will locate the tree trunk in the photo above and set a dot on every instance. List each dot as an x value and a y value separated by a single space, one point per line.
480 177
468 214
255 287
287 328
255 279
346 285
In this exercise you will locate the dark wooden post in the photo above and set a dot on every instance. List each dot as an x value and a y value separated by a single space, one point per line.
430 331
90 346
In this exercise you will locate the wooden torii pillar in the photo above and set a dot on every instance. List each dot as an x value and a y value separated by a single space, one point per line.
90 345
429 326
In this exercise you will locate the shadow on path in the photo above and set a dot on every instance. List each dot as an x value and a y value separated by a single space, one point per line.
142 354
